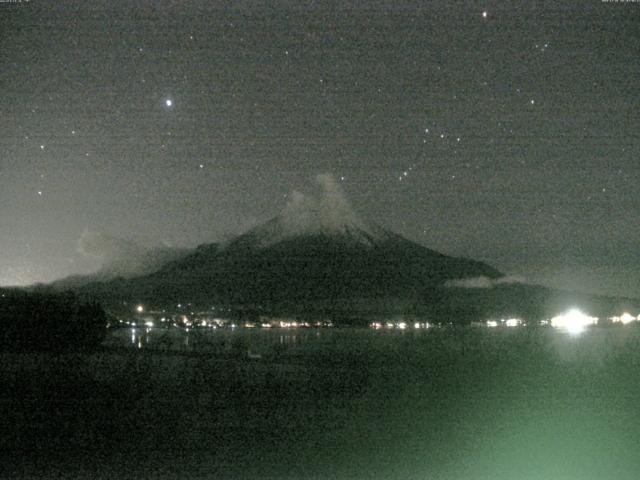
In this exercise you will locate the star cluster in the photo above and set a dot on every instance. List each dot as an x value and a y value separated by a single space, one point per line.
506 133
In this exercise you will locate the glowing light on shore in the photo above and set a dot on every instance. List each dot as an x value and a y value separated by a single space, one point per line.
139 309
492 323
513 322
624 319
574 321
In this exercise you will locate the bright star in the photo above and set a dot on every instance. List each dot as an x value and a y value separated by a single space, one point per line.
168 102
484 14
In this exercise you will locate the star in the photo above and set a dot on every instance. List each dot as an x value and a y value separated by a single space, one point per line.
484 14
168 102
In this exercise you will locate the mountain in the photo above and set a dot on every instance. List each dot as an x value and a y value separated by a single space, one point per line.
316 251
318 257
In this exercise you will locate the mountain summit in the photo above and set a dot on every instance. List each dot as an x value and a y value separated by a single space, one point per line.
317 251
317 258
330 215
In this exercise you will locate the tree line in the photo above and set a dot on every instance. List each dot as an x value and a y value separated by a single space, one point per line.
36 321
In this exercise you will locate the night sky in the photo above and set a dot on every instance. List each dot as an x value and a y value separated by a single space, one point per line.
503 131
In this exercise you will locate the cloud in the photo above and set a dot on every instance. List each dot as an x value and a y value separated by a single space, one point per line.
330 211
483 282
125 258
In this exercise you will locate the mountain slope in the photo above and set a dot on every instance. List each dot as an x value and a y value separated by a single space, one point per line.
318 256
253 269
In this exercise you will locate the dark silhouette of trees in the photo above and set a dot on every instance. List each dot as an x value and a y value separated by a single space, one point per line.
50 322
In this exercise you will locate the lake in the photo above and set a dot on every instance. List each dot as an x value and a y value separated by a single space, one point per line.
330 403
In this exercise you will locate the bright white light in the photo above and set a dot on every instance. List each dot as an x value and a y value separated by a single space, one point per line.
492 323
513 322
625 318
484 14
139 309
149 323
574 321
168 102
402 325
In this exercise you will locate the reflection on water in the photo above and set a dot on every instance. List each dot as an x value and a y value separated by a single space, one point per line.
592 345
228 341
451 403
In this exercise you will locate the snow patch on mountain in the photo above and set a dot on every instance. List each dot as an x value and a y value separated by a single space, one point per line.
329 214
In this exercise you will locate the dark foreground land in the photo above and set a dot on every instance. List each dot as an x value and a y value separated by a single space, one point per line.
346 404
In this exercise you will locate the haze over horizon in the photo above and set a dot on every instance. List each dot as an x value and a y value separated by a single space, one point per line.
504 132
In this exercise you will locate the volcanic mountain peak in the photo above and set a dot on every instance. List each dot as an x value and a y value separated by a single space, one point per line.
329 215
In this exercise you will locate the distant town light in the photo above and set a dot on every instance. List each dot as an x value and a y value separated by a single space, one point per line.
513 322
492 323
574 321
139 309
625 318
